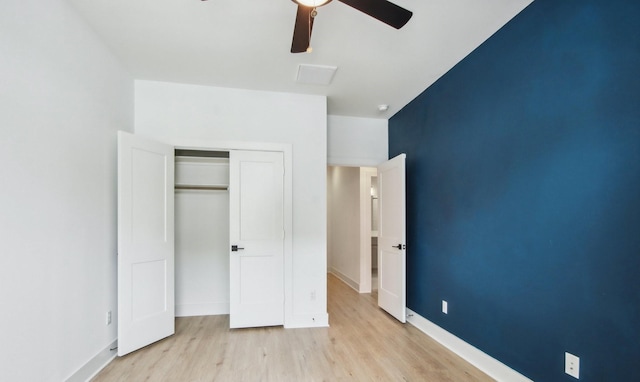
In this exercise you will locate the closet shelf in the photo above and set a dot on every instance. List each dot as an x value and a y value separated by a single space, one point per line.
201 187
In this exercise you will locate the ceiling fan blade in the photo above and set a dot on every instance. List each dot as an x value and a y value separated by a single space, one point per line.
382 10
302 30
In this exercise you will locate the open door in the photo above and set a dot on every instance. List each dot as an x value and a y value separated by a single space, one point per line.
392 238
256 197
145 242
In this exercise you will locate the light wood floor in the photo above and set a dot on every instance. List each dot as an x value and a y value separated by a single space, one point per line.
362 344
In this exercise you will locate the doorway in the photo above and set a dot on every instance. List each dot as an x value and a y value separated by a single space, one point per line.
201 232
352 221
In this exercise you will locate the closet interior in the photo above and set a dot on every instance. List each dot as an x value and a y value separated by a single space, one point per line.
201 232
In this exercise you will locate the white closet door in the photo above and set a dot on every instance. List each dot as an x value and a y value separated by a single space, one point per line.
145 242
392 237
257 231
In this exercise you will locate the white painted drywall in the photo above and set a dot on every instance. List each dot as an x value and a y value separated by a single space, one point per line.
169 111
343 205
354 141
62 98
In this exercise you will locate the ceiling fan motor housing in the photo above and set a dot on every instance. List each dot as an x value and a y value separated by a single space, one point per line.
312 3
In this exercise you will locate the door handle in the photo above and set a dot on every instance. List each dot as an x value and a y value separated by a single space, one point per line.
400 246
235 248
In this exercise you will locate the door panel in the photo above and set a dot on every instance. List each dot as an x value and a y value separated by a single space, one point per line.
392 237
145 242
148 289
260 205
257 229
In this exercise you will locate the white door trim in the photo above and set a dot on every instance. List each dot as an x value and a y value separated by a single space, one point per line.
287 150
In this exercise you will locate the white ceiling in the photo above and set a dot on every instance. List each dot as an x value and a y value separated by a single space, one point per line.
245 44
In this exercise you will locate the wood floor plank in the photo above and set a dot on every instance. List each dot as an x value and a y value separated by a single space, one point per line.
363 343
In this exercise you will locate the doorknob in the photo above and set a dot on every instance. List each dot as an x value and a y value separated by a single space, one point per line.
235 248
400 246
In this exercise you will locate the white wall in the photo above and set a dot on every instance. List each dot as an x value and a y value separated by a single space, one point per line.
354 141
62 98
343 207
173 112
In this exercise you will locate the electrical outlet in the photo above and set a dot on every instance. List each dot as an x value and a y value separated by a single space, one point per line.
572 365
109 318
445 307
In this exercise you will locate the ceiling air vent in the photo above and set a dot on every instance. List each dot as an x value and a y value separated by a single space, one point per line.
315 74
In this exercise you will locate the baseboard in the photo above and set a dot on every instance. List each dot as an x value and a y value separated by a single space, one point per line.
489 365
309 321
95 364
210 309
346 279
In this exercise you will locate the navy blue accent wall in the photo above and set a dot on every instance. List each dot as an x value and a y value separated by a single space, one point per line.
523 192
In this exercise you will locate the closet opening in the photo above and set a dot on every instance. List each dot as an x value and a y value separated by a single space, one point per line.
175 227
201 232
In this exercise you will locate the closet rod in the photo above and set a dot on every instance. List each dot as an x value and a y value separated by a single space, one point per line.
198 187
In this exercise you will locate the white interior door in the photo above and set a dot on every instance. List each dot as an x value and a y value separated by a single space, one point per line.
392 238
145 242
256 197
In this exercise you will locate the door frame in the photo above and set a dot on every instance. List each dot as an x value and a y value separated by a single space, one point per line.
287 150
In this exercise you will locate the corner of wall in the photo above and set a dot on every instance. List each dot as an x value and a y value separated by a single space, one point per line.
95 364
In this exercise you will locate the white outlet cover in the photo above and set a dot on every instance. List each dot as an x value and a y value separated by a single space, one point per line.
572 365
445 307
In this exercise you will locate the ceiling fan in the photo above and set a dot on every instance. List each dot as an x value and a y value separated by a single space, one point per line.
382 10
